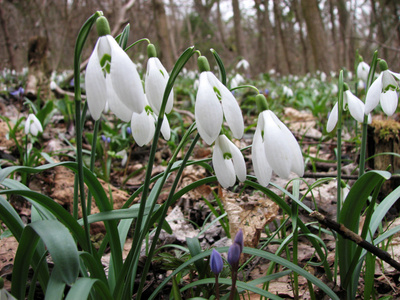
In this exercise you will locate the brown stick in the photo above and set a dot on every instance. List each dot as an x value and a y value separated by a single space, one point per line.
348 234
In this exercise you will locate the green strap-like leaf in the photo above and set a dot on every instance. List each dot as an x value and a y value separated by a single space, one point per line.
82 287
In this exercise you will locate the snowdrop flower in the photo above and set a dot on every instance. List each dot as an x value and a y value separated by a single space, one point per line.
362 71
143 127
112 77
156 81
383 90
236 81
213 101
124 155
287 91
33 125
243 64
228 162
355 106
323 76
275 149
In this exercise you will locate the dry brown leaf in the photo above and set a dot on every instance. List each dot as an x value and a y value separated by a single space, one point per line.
249 213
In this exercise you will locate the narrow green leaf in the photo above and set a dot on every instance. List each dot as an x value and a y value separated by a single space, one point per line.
82 287
195 249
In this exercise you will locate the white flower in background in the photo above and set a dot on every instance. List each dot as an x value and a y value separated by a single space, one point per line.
155 83
143 126
362 71
228 162
275 149
355 106
213 101
323 76
33 125
124 155
237 80
334 89
349 75
287 91
112 76
243 64
384 90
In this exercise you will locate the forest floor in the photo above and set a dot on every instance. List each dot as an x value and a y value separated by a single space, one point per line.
189 216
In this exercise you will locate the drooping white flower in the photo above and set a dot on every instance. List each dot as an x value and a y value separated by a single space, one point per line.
143 126
111 76
362 71
155 83
228 162
287 91
355 106
243 64
236 80
275 149
383 90
213 102
33 125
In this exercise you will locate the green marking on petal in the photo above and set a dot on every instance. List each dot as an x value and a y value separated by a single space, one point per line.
217 92
148 109
227 155
162 73
105 63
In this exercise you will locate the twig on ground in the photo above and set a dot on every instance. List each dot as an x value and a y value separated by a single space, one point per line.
348 234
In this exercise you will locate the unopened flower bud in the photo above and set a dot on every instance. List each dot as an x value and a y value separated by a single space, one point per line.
203 64
234 254
216 263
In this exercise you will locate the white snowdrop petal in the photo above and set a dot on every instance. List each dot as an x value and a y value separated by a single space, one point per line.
237 157
95 85
373 95
333 118
389 101
208 111
125 78
116 105
262 169
223 168
296 156
165 129
276 147
356 106
155 85
143 128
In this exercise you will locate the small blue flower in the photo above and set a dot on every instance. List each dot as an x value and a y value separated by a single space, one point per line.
103 138
18 93
239 239
108 140
128 130
216 263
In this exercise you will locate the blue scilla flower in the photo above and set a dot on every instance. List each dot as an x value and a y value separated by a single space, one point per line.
216 262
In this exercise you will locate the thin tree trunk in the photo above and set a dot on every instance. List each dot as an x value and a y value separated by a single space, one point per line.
263 49
7 39
278 19
302 38
238 28
316 35
160 20
334 33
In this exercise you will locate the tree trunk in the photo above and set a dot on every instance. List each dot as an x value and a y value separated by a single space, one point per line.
7 39
238 28
160 20
299 20
281 37
316 35
334 33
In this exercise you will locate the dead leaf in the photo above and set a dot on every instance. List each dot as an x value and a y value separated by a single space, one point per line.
249 213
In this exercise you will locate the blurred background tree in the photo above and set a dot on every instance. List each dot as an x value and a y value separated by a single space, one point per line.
290 36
